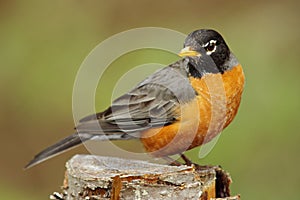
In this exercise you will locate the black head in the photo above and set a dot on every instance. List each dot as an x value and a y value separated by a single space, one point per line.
212 45
212 42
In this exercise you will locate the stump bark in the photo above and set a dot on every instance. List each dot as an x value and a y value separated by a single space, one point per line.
90 177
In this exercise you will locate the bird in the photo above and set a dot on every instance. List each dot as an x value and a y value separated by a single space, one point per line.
179 107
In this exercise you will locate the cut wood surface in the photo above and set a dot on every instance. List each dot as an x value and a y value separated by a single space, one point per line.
97 177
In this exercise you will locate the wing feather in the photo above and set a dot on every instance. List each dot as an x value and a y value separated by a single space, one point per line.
154 102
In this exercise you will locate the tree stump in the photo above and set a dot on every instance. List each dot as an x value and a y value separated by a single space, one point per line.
90 177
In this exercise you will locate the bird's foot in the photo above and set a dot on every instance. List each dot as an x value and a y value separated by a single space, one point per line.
186 160
172 161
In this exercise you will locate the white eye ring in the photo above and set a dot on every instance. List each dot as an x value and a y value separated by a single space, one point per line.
211 43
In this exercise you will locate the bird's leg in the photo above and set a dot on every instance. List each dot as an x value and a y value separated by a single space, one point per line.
172 161
187 161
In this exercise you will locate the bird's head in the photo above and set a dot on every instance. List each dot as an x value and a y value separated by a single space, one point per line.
207 47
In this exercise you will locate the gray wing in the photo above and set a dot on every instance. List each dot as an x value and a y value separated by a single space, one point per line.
152 103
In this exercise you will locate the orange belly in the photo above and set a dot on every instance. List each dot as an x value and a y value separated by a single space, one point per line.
203 118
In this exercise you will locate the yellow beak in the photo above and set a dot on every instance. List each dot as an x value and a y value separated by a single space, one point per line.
187 51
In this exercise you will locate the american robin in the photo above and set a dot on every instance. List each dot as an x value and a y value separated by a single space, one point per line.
177 108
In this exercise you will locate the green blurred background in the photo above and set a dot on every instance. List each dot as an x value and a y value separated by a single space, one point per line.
43 44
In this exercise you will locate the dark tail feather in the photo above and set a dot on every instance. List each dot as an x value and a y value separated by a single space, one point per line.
59 147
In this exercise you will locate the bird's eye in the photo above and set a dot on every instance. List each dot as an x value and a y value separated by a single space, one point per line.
211 46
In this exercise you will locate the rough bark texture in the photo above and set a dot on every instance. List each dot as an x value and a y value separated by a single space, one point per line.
96 177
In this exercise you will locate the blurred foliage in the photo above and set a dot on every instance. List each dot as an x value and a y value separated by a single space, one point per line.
44 42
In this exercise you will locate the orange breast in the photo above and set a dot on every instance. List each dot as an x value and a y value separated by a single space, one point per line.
203 118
